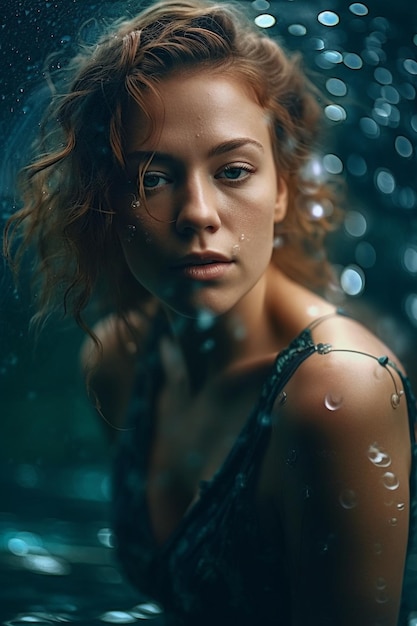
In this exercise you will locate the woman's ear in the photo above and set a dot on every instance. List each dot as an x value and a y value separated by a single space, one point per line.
281 203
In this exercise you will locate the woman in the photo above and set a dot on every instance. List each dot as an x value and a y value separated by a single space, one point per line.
263 472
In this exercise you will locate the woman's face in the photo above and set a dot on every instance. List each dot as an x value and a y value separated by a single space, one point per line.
202 239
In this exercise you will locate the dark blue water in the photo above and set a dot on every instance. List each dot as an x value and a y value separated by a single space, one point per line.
57 558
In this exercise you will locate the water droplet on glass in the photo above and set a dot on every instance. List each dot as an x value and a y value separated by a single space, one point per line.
409 259
390 481
365 254
265 20
410 66
410 307
357 8
378 457
383 76
348 499
332 164
297 30
352 61
403 146
356 165
328 18
384 181
336 87
260 5
369 127
352 280
335 113
333 401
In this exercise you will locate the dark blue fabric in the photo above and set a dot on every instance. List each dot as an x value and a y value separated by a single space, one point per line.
216 569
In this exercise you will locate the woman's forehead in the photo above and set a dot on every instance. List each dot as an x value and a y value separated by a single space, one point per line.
191 102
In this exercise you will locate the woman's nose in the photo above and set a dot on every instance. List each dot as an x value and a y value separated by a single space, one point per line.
197 208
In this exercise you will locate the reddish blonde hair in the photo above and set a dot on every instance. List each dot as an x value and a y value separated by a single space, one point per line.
67 212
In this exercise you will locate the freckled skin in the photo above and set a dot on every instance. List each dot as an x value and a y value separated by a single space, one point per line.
199 112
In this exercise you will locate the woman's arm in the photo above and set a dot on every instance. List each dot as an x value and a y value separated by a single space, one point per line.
346 504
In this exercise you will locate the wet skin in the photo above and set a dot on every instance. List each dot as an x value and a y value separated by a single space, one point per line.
212 195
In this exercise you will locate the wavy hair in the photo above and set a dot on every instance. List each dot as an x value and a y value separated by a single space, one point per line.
67 214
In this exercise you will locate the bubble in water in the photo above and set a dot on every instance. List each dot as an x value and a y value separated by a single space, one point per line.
390 481
333 401
378 457
348 499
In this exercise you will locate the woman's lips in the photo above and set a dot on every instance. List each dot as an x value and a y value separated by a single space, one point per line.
205 271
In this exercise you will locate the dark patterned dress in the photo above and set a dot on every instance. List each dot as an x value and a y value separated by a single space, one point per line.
216 568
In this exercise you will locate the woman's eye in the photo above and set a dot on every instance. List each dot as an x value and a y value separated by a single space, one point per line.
155 180
235 172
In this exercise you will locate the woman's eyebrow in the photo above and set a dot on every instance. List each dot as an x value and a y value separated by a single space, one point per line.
234 144
221 148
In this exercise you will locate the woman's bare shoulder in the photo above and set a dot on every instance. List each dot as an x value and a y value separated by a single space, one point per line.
350 384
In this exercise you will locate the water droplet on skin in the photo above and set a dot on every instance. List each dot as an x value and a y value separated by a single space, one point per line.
378 457
381 597
381 583
393 521
390 481
131 232
401 506
235 250
377 548
333 401
282 398
348 499
291 459
396 399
